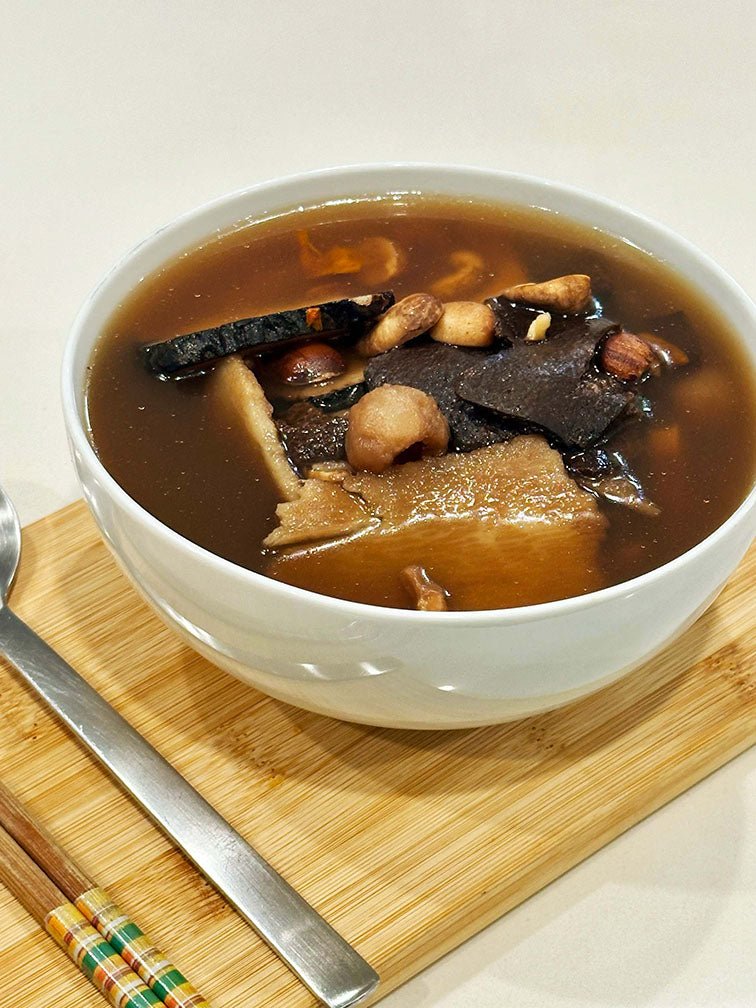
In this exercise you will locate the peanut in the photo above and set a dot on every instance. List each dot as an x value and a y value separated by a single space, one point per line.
407 319
465 323
568 294
626 356
309 363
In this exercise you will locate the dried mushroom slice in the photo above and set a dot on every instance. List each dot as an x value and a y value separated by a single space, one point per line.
349 315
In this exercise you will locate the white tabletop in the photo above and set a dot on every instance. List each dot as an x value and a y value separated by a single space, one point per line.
117 116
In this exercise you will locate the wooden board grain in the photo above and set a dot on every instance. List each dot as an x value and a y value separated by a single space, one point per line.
408 842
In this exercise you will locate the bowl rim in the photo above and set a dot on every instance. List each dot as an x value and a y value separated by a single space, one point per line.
81 445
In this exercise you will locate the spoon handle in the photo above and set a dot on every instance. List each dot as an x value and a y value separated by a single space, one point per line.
335 973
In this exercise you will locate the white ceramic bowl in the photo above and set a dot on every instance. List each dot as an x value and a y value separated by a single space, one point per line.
387 666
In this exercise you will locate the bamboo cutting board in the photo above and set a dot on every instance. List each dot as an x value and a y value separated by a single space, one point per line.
408 842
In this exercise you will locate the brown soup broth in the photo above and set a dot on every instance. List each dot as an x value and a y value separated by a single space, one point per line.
172 453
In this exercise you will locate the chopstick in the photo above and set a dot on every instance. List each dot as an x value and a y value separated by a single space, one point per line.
85 946
67 883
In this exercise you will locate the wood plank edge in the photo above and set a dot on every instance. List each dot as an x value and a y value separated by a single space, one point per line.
533 881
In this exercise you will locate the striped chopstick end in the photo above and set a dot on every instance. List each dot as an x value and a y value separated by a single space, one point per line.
144 958
97 959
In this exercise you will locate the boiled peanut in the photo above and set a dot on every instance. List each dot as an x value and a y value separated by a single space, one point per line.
626 356
407 319
465 323
568 294
309 363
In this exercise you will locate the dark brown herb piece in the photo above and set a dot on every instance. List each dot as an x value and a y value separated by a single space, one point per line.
436 369
351 316
608 475
552 383
310 435
339 399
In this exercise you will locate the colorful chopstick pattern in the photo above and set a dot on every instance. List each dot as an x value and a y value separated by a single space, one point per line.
141 955
97 959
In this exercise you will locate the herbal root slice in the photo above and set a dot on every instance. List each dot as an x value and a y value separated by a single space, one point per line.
239 394
349 315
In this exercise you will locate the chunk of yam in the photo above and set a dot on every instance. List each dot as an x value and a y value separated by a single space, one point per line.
508 508
240 396
323 510
521 481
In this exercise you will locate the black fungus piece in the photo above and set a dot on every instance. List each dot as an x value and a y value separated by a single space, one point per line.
339 399
512 320
311 435
350 315
551 384
609 476
436 368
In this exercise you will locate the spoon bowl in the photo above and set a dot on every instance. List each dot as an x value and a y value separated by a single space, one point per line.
10 544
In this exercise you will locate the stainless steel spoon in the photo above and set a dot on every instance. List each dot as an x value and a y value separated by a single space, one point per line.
320 957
